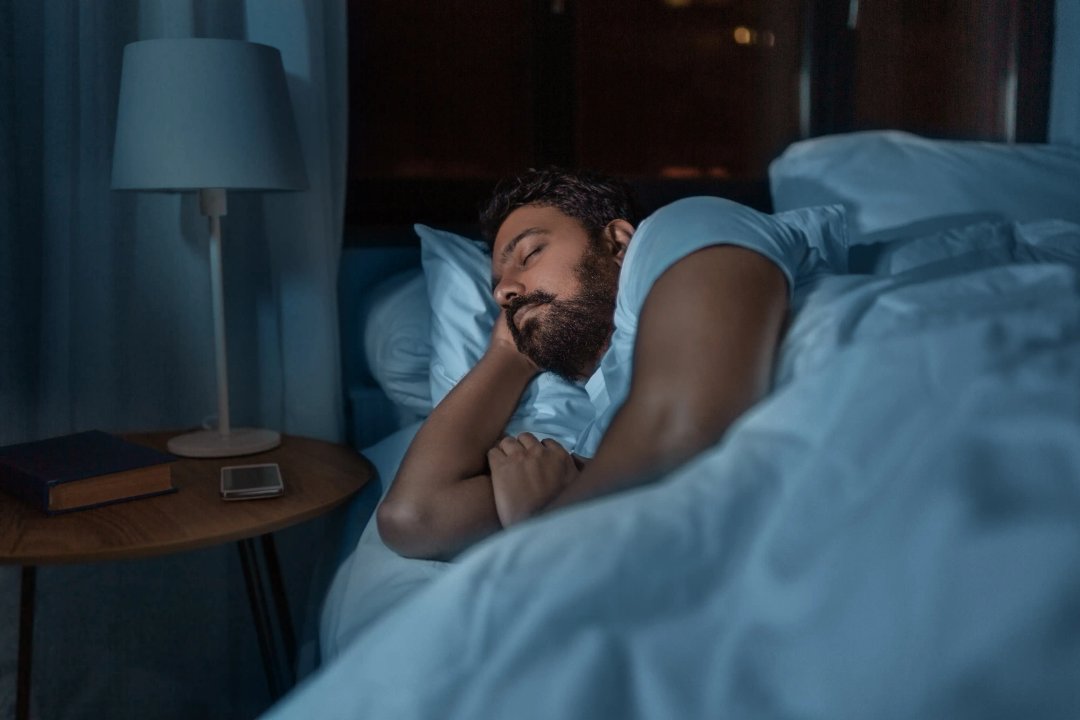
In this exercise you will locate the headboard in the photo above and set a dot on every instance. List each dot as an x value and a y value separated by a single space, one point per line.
369 414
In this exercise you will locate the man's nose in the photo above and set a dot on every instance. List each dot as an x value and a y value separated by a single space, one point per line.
507 290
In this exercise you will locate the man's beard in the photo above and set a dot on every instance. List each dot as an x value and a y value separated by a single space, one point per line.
570 335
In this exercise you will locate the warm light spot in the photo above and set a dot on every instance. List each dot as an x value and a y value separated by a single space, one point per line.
694 172
743 36
678 3
680 172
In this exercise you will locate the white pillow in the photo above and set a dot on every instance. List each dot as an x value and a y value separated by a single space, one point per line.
889 179
463 313
397 341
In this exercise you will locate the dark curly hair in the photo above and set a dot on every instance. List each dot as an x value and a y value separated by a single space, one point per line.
592 199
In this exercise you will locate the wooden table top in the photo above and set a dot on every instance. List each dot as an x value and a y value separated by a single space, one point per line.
318 476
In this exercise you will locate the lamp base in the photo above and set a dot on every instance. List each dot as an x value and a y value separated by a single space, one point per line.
211 443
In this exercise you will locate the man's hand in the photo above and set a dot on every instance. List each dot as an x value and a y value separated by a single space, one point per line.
502 344
526 474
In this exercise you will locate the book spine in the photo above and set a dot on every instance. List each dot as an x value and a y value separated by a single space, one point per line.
24 486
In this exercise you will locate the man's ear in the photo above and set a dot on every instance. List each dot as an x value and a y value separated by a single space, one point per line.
617 235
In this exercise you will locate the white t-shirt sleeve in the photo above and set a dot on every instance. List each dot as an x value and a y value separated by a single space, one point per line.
802 243
675 231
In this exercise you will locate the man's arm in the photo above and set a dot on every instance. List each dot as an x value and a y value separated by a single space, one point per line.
441 500
704 351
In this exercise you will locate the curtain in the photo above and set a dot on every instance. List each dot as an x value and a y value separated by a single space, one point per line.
105 322
1065 88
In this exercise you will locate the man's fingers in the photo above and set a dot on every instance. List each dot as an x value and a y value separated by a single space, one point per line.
528 440
552 444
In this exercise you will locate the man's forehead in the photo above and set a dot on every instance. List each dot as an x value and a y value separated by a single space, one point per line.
526 215
530 219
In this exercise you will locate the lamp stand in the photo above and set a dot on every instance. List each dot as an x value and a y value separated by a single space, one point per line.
225 441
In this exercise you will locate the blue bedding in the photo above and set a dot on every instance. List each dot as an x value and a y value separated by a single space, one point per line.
893 532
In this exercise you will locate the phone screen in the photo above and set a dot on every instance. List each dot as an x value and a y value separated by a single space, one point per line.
251 481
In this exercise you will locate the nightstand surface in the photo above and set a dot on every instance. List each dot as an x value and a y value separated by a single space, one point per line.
318 477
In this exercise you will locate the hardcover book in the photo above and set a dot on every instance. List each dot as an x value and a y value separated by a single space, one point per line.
86 469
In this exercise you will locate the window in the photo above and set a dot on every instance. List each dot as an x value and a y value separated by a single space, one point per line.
967 69
675 95
449 96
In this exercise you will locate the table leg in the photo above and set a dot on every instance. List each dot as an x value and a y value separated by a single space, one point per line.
281 602
26 641
249 561
260 610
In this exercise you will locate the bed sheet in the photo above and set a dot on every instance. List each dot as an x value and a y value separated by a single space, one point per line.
893 532
371 578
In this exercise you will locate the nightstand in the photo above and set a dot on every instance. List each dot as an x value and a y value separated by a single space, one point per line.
319 476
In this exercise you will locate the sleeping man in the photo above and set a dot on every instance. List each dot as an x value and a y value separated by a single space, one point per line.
672 325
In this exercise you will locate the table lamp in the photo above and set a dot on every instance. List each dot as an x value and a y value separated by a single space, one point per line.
209 116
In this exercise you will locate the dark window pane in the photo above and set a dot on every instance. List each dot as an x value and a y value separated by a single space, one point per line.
944 69
440 88
686 88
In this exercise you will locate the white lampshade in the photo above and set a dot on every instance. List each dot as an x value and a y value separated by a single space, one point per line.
200 113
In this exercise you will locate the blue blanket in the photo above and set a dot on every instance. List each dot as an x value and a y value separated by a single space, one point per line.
893 532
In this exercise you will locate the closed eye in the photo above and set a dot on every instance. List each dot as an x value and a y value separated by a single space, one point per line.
534 252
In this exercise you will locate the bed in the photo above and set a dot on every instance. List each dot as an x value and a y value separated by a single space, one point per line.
894 531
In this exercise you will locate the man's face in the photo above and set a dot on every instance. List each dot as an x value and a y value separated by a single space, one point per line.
557 289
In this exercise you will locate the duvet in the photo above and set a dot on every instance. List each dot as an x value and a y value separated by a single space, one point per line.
893 532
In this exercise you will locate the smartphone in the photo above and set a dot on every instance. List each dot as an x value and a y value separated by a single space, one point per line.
248 482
